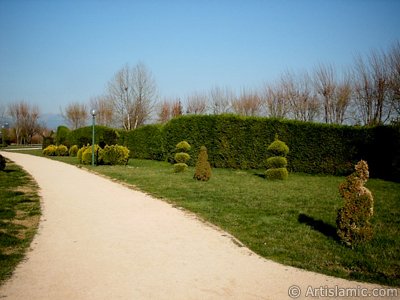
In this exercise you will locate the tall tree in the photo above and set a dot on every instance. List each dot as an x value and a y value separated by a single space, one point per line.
277 106
221 100
25 119
76 115
104 110
196 103
248 104
164 112
133 92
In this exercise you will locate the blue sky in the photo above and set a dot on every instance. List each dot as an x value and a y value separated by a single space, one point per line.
56 52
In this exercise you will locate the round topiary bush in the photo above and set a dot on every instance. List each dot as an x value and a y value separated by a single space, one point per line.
62 150
79 154
87 155
2 163
115 155
277 163
73 151
203 168
181 157
50 150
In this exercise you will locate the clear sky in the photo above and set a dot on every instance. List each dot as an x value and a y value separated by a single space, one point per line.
54 52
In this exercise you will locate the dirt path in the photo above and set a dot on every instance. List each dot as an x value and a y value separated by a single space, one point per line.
100 240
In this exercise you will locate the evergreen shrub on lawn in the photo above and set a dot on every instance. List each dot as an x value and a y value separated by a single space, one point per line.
87 155
181 157
50 150
81 151
115 155
145 142
73 151
277 164
353 219
62 150
203 168
61 135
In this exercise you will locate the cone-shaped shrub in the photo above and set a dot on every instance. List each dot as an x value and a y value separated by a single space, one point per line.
181 156
203 168
277 163
353 219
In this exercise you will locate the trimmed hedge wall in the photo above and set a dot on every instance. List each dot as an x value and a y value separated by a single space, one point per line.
83 136
240 142
145 142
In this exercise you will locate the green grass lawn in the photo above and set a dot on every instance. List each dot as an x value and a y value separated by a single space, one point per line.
19 216
291 222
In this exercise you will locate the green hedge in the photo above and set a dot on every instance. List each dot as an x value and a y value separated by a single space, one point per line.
83 136
62 135
145 142
240 142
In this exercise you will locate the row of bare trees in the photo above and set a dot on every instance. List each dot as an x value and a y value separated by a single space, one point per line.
127 102
25 121
367 94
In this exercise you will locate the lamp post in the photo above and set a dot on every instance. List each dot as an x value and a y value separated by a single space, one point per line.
93 113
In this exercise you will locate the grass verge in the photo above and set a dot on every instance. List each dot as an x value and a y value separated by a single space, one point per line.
19 216
291 222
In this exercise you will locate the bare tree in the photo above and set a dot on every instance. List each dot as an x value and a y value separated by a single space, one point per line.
277 106
196 103
325 86
25 120
164 112
133 92
372 88
104 110
297 90
75 115
176 108
394 73
248 104
221 100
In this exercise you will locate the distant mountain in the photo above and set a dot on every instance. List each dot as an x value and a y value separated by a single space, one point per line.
51 121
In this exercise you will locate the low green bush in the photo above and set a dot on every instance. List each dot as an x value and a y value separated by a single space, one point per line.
50 150
180 167
62 150
115 155
277 173
73 151
87 155
276 162
182 157
79 154
2 163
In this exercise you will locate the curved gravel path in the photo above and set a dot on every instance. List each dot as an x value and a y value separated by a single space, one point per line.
100 240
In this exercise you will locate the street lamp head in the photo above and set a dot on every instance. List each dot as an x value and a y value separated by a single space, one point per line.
93 112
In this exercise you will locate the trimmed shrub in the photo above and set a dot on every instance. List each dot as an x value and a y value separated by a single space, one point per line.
80 152
115 155
353 219
203 168
62 150
83 136
2 163
61 135
180 167
277 173
144 142
183 147
50 150
277 164
87 155
73 151
182 157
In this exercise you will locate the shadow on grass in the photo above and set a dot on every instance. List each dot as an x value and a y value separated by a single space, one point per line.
326 229
261 175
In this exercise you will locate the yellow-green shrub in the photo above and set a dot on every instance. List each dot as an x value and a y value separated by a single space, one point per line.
80 152
203 168
115 155
62 150
73 151
277 164
181 157
353 219
87 155
50 150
